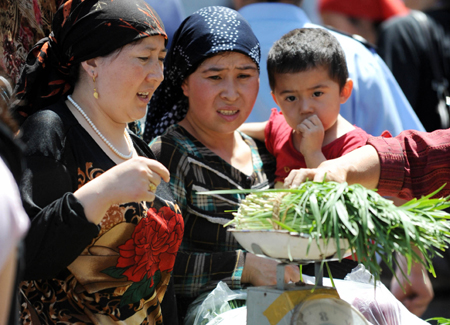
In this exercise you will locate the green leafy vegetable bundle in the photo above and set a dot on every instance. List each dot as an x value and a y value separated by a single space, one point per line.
371 224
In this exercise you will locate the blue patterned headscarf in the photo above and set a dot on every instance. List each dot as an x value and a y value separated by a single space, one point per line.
208 31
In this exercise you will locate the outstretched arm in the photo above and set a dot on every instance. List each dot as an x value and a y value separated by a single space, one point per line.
254 130
359 166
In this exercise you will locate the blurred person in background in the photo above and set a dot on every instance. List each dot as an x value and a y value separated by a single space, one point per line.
360 17
377 103
171 13
411 46
13 220
419 4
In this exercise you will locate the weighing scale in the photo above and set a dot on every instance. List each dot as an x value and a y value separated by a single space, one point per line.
295 303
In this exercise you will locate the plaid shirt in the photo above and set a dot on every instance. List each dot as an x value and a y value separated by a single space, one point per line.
209 253
414 163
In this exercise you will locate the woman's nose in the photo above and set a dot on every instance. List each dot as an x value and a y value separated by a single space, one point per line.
156 73
230 91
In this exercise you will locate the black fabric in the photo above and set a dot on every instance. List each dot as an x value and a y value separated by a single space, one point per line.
403 45
81 30
61 156
203 34
56 217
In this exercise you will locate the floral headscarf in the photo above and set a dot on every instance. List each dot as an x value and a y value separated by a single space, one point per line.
82 30
209 31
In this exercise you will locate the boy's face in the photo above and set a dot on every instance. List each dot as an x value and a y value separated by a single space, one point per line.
303 94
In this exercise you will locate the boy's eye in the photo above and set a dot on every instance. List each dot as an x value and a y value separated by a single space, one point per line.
317 94
243 76
290 98
214 77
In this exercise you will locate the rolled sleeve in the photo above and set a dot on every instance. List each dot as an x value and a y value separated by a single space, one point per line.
393 167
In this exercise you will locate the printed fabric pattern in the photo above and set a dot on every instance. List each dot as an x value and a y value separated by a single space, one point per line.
116 271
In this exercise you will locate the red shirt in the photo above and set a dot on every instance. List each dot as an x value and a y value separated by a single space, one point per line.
279 142
414 163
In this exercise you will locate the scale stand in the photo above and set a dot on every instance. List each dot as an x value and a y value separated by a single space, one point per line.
318 274
270 305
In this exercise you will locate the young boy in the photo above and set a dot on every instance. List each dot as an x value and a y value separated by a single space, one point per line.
309 80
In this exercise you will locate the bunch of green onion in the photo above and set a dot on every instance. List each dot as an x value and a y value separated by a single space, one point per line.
371 224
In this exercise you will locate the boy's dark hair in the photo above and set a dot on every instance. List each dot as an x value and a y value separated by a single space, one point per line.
305 48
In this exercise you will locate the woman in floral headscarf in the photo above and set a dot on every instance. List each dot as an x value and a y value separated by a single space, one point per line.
105 229
210 87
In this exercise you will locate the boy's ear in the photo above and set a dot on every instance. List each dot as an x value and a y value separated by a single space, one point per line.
346 90
274 98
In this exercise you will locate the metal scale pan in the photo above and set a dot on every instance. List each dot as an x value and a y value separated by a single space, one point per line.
295 303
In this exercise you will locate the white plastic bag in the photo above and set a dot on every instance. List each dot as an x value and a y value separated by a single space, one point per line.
377 304
209 305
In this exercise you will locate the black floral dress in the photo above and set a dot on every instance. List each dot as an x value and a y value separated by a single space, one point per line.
77 272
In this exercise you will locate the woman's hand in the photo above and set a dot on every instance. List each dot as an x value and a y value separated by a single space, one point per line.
134 180
260 271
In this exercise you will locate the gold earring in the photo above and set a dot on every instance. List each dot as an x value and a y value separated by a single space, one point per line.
95 89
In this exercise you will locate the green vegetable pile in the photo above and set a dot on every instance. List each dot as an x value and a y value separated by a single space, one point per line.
371 224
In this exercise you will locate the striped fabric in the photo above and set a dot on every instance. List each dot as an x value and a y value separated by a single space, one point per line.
208 253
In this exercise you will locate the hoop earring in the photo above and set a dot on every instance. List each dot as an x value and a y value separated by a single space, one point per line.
95 89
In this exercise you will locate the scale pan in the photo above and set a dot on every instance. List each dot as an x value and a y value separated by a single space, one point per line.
290 246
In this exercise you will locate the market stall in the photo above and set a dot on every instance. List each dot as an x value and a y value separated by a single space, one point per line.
327 221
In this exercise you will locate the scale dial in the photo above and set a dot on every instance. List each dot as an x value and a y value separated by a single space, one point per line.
327 311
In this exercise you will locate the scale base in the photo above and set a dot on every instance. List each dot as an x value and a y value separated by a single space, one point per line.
269 305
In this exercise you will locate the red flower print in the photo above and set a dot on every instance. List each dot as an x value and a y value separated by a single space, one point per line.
153 246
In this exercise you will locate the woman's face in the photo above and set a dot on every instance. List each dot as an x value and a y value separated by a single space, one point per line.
222 92
126 81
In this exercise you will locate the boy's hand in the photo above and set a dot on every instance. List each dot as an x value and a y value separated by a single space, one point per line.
312 135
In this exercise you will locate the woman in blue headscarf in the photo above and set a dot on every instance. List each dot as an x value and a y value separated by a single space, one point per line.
210 86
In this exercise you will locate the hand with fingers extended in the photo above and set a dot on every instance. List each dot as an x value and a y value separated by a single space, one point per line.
326 171
260 271
361 166
131 181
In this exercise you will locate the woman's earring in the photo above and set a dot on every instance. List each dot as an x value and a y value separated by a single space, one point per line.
95 89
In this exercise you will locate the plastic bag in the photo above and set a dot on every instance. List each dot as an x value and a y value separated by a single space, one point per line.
237 316
209 305
377 304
